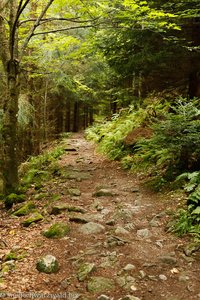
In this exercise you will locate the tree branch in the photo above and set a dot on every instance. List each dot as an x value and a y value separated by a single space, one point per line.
36 24
63 29
19 12
75 20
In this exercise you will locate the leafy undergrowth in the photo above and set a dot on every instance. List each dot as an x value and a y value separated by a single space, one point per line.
36 171
172 149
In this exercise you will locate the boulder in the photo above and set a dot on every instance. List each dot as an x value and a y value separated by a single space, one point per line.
91 228
100 284
25 209
104 193
57 230
33 218
144 233
48 264
84 270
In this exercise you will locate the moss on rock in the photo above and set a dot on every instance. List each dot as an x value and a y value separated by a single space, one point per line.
13 199
47 264
25 209
34 218
57 230
100 284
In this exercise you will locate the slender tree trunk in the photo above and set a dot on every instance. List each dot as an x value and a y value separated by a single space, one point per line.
68 116
91 116
10 160
45 111
76 117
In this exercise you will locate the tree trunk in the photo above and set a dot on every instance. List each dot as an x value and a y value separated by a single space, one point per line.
91 117
76 117
10 161
68 116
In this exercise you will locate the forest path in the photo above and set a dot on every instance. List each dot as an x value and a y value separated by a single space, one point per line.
123 238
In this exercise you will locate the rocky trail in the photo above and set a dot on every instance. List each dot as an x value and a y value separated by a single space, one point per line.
115 245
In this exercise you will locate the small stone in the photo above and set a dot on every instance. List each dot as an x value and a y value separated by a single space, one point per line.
144 233
129 267
33 218
65 283
104 193
159 244
78 219
100 284
154 223
162 277
84 270
133 288
103 297
74 192
121 231
129 297
191 248
110 222
174 271
183 278
142 274
170 260
48 264
135 190
121 281
91 228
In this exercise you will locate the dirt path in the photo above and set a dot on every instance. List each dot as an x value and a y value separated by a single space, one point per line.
131 247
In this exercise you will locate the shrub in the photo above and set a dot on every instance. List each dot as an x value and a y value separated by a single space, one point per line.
175 145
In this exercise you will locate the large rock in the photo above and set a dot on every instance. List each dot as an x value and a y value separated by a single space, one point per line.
121 231
33 218
126 282
129 297
58 208
104 193
168 259
136 134
91 228
25 209
74 192
79 219
100 284
48 264
57 230
84 270
144 233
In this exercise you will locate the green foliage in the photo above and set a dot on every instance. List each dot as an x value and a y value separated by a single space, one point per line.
13 199
40 168
111 134
175 145
189 219
187 223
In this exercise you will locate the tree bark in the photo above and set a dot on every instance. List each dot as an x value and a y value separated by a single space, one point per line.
10 161
76 117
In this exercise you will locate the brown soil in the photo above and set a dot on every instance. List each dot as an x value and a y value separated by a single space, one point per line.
132 207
